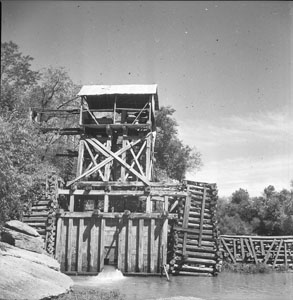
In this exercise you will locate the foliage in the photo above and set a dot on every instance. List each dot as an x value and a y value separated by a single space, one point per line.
172 157
246 268
27 154
21 166
16 76
270 214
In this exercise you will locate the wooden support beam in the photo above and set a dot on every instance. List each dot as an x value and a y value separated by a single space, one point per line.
148 158
100 165
129 246
80 241
69 244
248 247
242 248
140 245
102 245
278 252
228 250
269 252
71 203
285 255
128 167
106 203
148 204
80 158
202 216
135 159
253 250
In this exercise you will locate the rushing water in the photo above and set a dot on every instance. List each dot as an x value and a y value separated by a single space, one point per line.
226 286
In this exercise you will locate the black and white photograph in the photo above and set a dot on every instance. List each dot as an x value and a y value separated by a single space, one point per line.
146 150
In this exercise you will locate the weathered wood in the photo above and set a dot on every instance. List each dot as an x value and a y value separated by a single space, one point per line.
242 248
285 255
202 217
58 240
121 246
253 250
262 248
164 241
248 247
106 203
228 250
102 244
129 246
152 245
80 242
69 247
278 252
80 158
140 244
94 241
269 252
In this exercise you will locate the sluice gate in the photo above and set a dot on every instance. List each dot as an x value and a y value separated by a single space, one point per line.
276 251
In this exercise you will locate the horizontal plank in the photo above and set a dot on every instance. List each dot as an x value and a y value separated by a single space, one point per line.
34 219
127 184
191 273
90 214
257 237
194 269
197 254
121 193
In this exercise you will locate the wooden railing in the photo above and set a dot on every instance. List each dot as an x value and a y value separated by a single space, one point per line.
271 250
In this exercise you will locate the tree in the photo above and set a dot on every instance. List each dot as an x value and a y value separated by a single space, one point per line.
172 158
16 76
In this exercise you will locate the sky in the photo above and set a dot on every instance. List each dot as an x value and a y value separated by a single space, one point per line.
224 66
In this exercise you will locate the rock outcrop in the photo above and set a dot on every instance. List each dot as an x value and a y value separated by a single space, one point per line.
25 274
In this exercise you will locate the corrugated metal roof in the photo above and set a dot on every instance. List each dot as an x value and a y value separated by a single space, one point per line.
135 89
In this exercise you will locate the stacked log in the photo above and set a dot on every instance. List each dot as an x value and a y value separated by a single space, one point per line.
42 214
197 249
275 251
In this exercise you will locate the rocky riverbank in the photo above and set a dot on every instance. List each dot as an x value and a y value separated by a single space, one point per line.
26 271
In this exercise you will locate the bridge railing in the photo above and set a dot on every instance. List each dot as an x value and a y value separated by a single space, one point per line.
271 250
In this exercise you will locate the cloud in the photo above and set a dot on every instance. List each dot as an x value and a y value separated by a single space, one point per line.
251 151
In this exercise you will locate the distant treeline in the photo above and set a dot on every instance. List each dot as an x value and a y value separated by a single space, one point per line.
270 214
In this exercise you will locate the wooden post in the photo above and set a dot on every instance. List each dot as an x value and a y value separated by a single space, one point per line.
253 250
148 204
80 242
164 241
278 252
228 250
140 245
129 246
152 246
148 158
114 110
69 247
80 158
242 248
269 251
166 203
106 203
108 146
121 246
102 245
285 254
262 248
71 203
202 217
94 245
123 155
58 240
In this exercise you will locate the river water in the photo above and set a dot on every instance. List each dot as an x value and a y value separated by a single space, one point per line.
226 286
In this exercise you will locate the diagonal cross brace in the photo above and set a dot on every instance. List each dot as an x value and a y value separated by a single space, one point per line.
115 156
103 163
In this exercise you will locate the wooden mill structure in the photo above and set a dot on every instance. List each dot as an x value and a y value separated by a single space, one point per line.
113 212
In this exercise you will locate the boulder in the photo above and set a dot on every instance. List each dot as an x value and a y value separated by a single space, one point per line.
21 227
22 240
43 259
22 279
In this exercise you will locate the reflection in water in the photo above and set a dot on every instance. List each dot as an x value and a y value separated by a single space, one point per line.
226 286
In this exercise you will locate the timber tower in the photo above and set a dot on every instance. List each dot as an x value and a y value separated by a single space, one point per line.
111 211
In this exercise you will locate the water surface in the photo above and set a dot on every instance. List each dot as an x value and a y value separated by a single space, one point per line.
226 286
